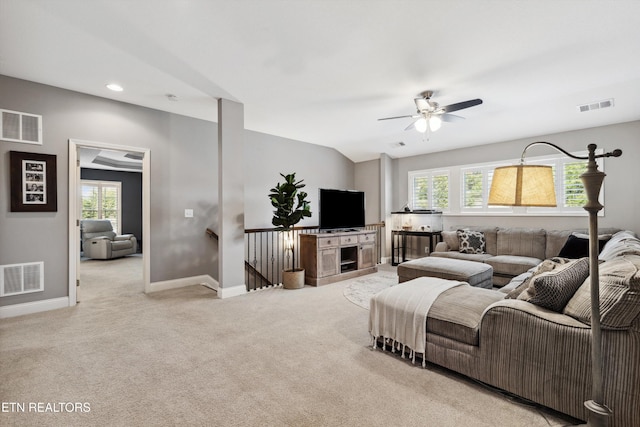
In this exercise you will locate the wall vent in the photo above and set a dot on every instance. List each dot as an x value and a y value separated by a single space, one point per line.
607 103
16 279
20 127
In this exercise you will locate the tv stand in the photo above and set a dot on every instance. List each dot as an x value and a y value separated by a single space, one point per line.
331 257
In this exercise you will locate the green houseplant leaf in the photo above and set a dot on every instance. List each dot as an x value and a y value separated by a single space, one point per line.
291 204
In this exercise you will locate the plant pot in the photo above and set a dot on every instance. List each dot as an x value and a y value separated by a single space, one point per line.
293 279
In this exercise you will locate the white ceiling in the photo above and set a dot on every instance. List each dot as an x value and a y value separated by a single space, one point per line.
324 71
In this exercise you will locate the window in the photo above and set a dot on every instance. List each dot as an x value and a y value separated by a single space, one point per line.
572 189
472 189
465 189
429 190
101 200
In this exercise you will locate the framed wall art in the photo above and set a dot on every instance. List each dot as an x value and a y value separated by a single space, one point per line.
33 182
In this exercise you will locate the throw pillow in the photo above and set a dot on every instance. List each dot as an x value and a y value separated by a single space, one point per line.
555 288
543 267
471 242
619 294
577 246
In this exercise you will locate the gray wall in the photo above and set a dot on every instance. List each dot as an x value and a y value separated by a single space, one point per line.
622 192
267 156
183 176
368 180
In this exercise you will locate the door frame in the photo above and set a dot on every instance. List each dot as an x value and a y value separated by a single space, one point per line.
75 213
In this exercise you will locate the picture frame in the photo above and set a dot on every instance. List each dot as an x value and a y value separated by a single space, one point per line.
33 182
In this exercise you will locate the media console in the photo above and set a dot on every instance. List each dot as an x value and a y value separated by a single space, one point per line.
331 257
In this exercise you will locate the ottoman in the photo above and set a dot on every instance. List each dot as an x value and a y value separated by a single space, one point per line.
474 273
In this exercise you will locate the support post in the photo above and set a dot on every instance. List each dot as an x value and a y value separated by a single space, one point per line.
231 198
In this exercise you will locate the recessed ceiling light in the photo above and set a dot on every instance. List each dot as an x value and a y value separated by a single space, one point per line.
115 87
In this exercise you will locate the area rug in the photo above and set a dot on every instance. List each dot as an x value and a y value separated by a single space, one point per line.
359 291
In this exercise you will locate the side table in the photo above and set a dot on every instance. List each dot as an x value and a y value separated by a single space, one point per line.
399 243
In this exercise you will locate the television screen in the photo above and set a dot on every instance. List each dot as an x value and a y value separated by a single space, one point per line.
341 209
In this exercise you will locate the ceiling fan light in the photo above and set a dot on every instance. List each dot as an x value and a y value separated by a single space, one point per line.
421 125
434 123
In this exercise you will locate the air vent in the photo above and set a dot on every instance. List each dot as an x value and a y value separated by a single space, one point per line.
607 103
20 127
16 279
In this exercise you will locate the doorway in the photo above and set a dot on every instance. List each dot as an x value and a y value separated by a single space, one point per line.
75 208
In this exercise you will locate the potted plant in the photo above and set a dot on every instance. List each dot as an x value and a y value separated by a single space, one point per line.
291 206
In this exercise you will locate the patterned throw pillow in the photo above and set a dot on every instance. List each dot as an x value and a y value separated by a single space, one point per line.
471 242
555 288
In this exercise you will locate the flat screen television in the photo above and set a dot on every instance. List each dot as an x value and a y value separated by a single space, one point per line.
341 209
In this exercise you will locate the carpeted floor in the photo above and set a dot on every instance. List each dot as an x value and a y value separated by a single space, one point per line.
274 357
359 291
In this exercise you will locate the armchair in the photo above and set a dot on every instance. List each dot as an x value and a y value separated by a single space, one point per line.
99 241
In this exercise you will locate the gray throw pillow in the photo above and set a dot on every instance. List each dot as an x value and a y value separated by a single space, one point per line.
619 294
555 288
471 242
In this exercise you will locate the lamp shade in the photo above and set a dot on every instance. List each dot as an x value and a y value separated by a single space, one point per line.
523 185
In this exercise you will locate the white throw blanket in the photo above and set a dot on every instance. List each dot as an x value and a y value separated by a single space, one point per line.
399 313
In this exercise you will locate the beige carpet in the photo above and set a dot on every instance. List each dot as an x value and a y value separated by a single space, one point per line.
269 358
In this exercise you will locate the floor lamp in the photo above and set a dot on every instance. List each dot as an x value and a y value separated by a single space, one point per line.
532 185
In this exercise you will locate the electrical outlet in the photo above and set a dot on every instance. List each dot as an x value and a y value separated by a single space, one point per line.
426 249
188 213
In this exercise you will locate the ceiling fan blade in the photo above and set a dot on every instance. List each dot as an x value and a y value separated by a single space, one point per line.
397 117
461 105
446 117
412 125
421 104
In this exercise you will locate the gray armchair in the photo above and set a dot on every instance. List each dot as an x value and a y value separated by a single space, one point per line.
99 241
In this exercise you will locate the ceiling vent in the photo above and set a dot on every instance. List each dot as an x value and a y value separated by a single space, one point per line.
397 144
20 127
607 103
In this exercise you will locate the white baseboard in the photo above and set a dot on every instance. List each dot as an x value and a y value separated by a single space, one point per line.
204 279
33 307
232 291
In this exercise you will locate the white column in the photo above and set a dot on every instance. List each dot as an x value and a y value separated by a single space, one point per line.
231 198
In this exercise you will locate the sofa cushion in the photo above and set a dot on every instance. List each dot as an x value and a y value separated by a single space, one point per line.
556 239
521 282
528 242
451 239
577 246
553 289
621 243
457 312
512 265
471 242
619 294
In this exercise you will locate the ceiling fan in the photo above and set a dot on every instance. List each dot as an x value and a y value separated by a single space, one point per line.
430 114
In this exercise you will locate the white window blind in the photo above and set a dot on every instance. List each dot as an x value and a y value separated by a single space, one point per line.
429 190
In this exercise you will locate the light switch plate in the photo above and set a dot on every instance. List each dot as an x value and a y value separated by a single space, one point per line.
188 213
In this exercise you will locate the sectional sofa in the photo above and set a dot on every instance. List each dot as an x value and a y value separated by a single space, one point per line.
512 251
541 350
